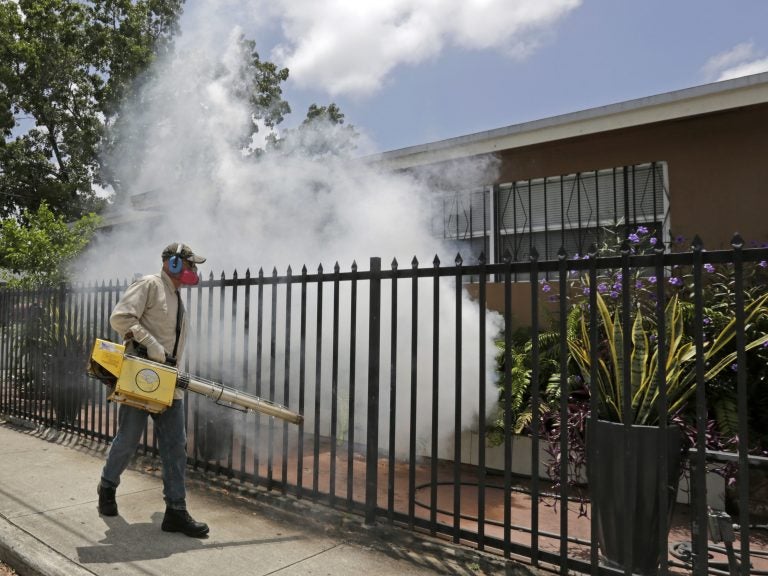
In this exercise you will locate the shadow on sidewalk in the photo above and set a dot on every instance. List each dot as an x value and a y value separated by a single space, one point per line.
124 542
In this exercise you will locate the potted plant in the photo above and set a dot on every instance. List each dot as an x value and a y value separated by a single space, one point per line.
679 363
55 351
606 464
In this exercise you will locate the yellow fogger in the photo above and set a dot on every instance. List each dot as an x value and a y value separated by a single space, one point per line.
149 385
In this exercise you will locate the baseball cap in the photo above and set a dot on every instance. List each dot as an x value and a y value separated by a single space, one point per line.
183 251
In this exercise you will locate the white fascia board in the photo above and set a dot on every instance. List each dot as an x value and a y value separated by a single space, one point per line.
726 95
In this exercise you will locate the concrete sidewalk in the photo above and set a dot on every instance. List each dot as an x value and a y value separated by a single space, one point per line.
49 525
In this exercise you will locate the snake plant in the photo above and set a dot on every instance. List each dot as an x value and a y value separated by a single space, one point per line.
644 363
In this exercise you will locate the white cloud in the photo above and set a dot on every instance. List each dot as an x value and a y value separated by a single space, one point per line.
745 69
349 47
741 60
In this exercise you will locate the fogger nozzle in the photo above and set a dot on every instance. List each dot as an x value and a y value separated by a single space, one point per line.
223 395
149 385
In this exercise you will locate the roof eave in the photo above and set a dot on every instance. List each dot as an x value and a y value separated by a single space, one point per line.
709 98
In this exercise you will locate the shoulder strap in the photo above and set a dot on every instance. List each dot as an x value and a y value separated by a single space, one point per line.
179 316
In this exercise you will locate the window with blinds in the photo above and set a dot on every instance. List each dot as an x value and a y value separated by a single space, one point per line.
571 211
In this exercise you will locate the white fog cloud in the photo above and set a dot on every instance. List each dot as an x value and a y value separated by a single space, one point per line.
285 209
741 60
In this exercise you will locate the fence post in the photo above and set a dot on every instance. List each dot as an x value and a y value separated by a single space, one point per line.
374 350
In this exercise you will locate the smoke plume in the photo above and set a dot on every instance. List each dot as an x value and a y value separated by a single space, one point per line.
187 179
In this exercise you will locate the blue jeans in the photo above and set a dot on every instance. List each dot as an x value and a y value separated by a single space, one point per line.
170 428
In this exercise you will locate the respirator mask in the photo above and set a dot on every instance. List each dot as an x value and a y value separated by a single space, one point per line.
188 276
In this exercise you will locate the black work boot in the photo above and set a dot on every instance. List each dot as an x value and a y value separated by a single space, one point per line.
181 521
107 503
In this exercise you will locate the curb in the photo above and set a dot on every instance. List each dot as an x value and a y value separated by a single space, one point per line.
29 556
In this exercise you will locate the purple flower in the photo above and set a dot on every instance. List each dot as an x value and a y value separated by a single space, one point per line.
634 238
707 320
602 287
642 230
586 291
653 240
675 281
639 283
614 294
763 264
734 367
545 287
652 279
709 268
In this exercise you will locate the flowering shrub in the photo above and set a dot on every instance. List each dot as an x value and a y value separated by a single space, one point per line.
717 323
640 289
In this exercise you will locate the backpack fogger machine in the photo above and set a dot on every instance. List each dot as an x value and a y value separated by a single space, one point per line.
149 385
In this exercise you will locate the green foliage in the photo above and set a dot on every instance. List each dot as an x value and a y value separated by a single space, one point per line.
36 249
321 133
519 377
65 65
73 77
719 351
644 364
261 85
331 114
126 36
52 348
258 82
719 334
244 77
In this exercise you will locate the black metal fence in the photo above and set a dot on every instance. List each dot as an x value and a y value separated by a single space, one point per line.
403 378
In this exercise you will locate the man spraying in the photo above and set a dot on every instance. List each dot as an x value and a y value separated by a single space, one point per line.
151 318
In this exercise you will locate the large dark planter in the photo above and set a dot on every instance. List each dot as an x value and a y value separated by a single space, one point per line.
63 377
213 436
608 486
68 399
758 497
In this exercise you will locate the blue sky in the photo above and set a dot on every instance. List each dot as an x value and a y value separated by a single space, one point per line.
407 72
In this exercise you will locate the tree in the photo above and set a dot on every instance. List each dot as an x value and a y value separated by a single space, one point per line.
65 66
321 133
261 85
70 72
36 248
244 77
330 114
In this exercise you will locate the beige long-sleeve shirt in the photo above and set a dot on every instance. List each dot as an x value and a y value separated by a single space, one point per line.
149 307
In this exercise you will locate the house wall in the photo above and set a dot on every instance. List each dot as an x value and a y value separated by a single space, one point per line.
717 164
717 169
520 296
